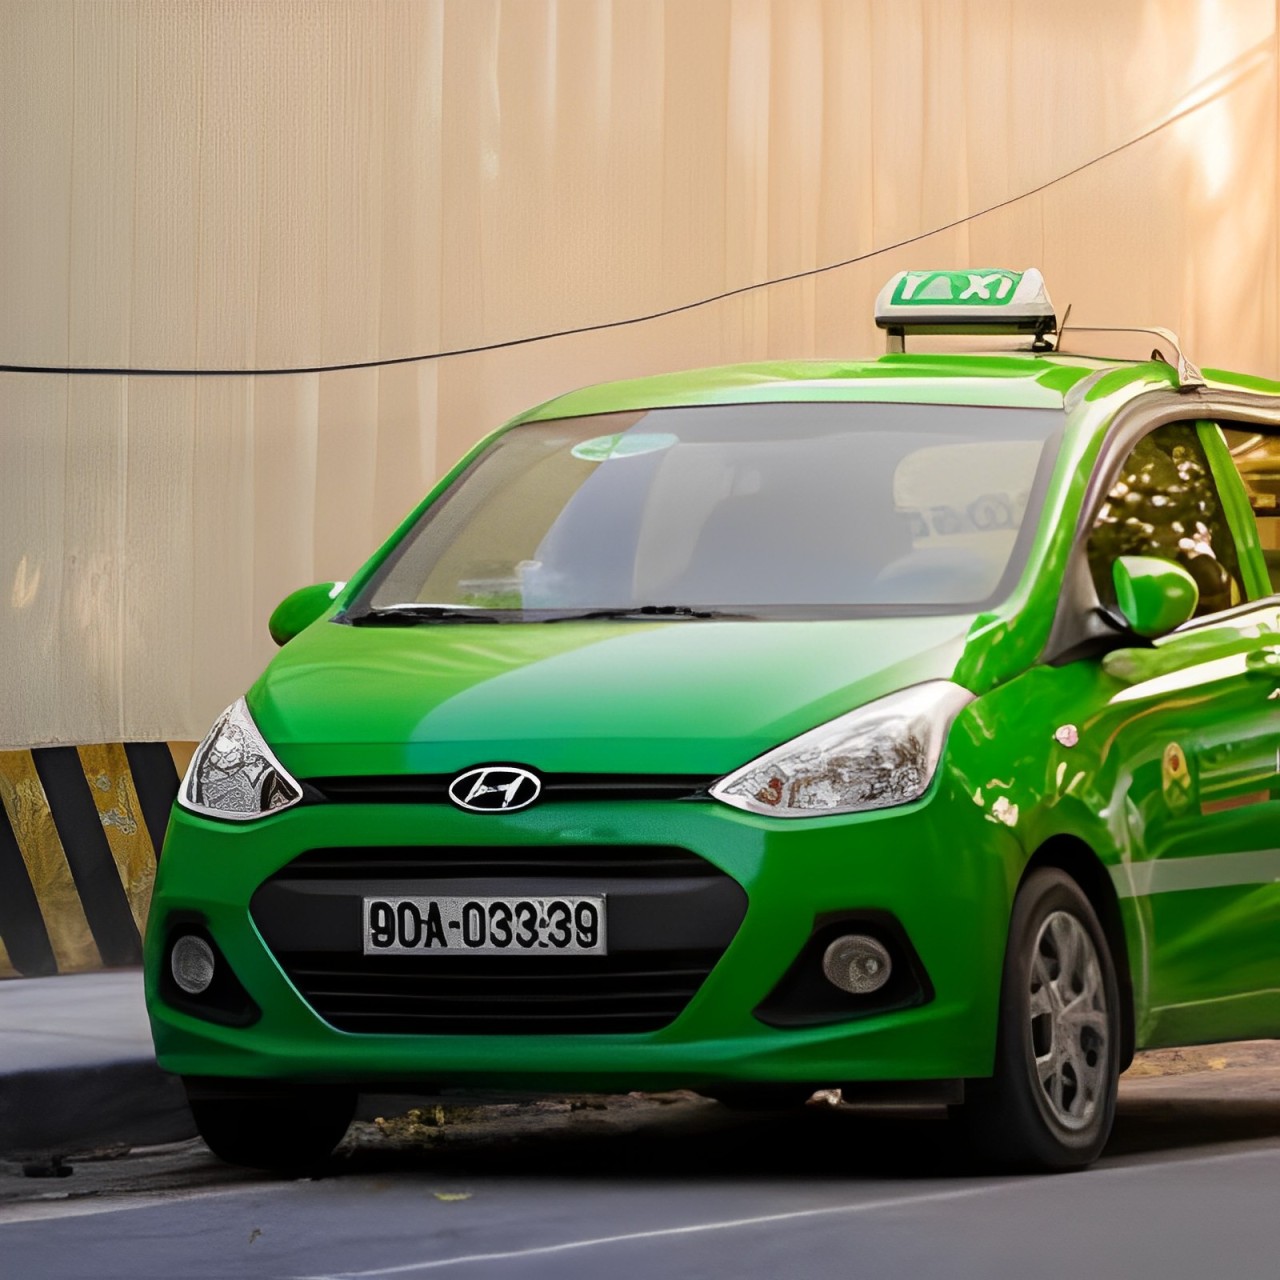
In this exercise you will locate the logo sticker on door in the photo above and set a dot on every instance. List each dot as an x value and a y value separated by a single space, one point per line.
1176 780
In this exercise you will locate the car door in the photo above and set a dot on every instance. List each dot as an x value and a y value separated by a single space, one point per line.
1194 745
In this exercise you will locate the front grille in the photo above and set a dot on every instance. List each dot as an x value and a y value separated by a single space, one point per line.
492 995
608 862
670 913
433 788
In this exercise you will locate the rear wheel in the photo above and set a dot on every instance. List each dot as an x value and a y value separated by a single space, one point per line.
266 1127
1051 1101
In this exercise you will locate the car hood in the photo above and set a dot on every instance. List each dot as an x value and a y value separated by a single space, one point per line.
683 697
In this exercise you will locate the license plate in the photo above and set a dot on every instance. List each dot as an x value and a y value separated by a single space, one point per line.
485 926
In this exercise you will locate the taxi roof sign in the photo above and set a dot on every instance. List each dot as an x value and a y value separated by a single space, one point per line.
972 301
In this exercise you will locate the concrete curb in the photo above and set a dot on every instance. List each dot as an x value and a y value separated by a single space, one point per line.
77 1069
74 1110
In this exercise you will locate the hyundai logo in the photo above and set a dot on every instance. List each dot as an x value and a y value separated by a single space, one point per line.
495 789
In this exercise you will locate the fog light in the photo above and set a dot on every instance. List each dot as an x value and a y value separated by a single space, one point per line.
857 964
191 962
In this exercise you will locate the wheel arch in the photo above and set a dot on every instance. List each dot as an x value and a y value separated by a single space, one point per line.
1075 858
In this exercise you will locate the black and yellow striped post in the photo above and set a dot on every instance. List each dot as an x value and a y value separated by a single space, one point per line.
80 832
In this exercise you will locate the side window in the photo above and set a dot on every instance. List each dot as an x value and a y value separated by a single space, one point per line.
1164 503
1257 458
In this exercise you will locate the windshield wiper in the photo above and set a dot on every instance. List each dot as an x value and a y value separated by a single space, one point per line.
407 614
643 611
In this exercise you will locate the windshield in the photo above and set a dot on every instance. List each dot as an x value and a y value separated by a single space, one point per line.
767 510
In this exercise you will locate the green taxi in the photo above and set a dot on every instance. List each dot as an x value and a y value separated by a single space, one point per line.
909 726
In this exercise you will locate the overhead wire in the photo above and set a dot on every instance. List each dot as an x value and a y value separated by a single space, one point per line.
1194 104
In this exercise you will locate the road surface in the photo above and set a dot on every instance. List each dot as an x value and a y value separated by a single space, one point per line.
674 1186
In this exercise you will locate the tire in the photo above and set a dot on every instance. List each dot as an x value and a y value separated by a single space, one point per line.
268 1128
1051 1101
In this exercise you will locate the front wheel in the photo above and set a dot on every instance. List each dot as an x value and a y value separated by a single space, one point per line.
1051 1101
267 1128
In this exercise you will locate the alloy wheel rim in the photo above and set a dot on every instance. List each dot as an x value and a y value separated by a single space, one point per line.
1069 1030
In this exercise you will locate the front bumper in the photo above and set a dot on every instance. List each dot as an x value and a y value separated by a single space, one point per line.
936 868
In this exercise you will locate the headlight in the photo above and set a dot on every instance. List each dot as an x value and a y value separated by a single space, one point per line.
233 773
878 756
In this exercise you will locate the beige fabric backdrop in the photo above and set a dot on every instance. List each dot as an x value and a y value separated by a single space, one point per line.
213 185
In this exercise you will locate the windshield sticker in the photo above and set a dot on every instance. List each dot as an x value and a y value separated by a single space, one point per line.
623 445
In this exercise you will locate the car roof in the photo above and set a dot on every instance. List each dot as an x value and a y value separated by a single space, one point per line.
1005 379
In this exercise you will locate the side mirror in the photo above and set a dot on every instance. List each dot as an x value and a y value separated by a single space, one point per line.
1153 595
301 608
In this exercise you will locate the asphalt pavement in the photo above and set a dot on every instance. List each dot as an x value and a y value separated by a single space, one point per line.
674 1186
